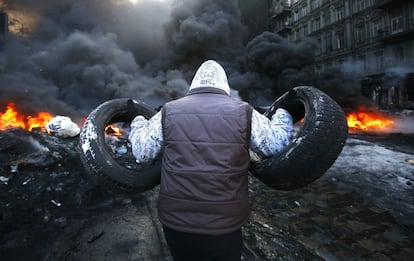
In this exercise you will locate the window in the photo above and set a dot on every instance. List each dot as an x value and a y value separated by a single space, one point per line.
340 40
411 16
379 60
360 33
315 4
316 25
328 42
376 27
303 12
362 62
305 30
398 54
359 5
319 49
291 37
396 24
339 13
327 18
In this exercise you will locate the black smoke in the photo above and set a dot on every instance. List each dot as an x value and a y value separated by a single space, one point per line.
272 66
83 53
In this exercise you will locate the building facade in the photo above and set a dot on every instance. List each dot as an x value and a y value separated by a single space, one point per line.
4 23
369 39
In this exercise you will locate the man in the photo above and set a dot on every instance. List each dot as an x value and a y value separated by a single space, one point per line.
205 137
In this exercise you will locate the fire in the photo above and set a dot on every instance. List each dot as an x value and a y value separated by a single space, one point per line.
12 119
368 121
113 130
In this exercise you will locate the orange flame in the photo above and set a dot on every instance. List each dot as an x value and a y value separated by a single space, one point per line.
112 130
368 121
12 119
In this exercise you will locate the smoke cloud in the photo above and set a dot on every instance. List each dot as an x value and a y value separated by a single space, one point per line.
82 53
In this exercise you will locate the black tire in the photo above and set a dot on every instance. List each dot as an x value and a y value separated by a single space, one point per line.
100 165
315 147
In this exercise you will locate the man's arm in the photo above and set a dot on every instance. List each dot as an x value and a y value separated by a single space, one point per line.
146 137
270 136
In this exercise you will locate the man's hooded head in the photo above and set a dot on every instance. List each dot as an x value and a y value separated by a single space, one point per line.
211 74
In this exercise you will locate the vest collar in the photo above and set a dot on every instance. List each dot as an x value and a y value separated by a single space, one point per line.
206 90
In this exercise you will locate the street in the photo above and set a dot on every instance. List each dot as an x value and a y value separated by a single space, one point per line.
361 209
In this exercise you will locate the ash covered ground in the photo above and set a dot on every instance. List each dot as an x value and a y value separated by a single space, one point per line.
361 209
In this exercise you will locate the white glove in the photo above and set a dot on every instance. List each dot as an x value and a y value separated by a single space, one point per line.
281 116
138 122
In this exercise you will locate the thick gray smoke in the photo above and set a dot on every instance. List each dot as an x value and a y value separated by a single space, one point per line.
83 53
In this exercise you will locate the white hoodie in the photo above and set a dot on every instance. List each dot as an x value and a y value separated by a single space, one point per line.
211 74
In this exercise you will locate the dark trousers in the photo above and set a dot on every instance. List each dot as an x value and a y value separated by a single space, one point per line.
195 247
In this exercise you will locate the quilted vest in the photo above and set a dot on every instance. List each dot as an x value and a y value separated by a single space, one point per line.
205 163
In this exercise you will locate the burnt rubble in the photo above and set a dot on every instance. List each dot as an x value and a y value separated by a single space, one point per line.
41 186
39 169
45 196
33 181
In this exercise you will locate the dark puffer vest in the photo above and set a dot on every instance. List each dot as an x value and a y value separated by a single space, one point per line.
205 163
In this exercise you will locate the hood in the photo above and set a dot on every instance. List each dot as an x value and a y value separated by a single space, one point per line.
211 74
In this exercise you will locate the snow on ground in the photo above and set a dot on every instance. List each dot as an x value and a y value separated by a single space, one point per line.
382 176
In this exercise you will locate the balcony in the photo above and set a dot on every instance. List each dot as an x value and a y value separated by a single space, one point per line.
283 28
385 3
404 31
282 9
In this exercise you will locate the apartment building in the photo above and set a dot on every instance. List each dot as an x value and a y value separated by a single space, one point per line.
369 39
4 23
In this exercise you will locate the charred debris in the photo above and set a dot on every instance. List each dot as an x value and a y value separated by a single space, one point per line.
42 182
